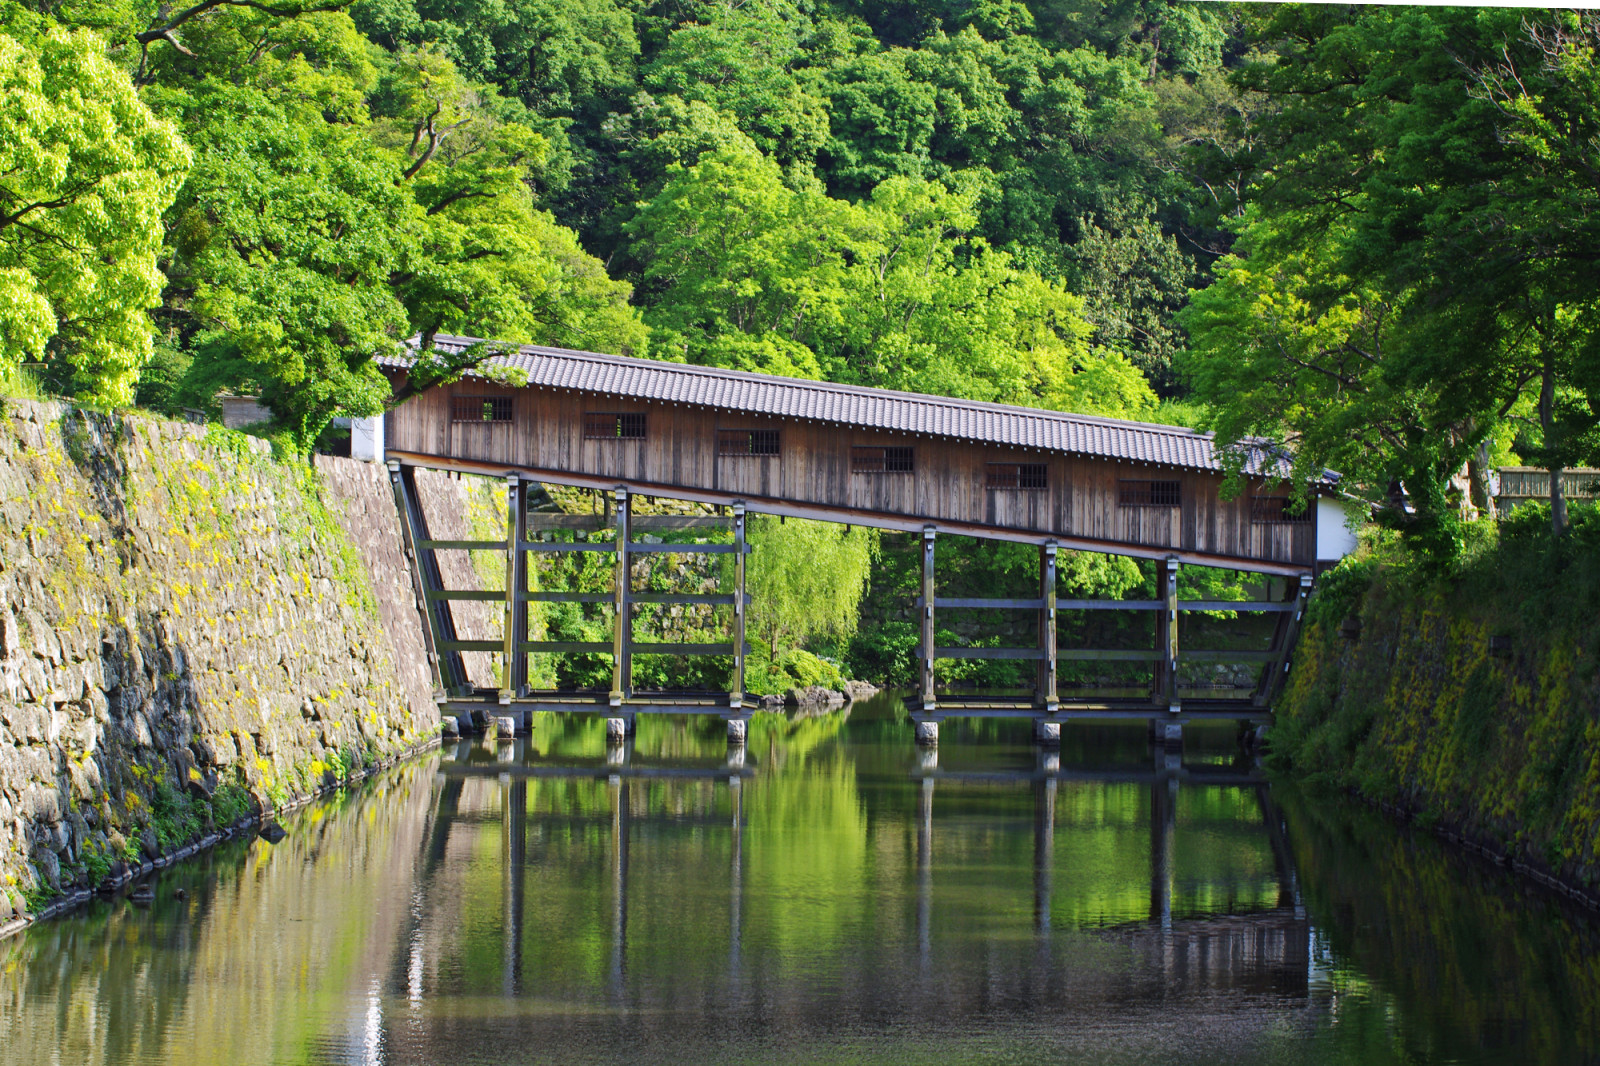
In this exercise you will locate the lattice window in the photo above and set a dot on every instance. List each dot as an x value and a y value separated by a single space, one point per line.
1278 509
480 408
613 425
874 460
747 442
1136 493
1017 476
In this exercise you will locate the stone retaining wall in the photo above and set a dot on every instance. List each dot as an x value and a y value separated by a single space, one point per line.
190 633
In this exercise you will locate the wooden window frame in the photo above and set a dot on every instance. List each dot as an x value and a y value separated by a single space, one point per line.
1022 477
883 459
1149 492
614 425
470 410
1269 510
748 443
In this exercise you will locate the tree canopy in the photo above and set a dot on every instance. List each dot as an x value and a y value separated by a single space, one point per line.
1367 233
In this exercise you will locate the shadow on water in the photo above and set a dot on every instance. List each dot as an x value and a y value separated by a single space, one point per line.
829 893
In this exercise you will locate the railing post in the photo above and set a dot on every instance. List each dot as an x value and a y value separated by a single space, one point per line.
736 696
514 583
1167 637
1047 627
927 618
622 622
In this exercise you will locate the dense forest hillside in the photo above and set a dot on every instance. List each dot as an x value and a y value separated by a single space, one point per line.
1367 232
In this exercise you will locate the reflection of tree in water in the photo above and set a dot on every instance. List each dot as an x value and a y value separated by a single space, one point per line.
535 899
1475 960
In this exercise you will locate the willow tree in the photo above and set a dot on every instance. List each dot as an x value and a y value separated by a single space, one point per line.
806 580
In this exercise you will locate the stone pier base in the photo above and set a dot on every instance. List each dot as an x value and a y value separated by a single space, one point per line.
927 732
1047 733
736 730
616 730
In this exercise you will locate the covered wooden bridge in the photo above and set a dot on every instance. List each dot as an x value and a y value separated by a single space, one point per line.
929 465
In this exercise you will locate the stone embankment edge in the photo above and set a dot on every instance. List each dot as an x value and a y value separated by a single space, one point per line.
68 902
1454 836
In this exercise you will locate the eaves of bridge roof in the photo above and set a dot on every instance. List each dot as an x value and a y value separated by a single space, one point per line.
1027 428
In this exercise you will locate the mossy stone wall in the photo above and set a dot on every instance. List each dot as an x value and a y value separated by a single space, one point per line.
1498 743
188 630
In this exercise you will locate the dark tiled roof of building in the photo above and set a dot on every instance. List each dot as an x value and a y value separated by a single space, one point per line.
904 412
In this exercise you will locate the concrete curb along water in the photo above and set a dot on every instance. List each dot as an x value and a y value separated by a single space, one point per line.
78 897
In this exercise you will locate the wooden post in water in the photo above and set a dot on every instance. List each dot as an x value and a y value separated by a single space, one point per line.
622 621
513 639
927 618
736 695
1047 628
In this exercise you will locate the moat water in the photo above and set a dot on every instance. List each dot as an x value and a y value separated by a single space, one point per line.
837 897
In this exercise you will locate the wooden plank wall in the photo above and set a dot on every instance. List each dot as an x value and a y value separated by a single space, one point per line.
814 467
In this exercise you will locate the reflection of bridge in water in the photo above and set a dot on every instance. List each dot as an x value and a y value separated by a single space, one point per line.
1263 949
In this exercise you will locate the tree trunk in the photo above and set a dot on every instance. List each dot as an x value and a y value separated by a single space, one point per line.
1478 474
1547 418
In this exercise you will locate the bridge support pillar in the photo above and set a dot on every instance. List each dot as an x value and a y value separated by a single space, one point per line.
516 619
927 631
1047 732
1166 680
1166 733
737 727
616 730
1047 628
928 733
622 619
736 695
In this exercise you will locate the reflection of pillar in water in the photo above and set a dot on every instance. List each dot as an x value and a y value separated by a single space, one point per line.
1282 857
1044 851
925 873
1163 822
514 856
619 880
736 888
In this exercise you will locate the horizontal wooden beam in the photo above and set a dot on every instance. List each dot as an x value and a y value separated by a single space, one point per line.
567 597
982 602
463 545
472 645
1110 605
569 646
1221 656
1109 655
655 523
909 523
988 653
1234 605
567 546
725 648
466 594
688 597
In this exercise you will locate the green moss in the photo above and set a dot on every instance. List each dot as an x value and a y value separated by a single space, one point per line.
1417 711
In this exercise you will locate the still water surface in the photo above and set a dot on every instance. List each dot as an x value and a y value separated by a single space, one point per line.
838 897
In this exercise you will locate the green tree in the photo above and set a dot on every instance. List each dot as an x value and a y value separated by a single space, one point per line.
1424 210
85 173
